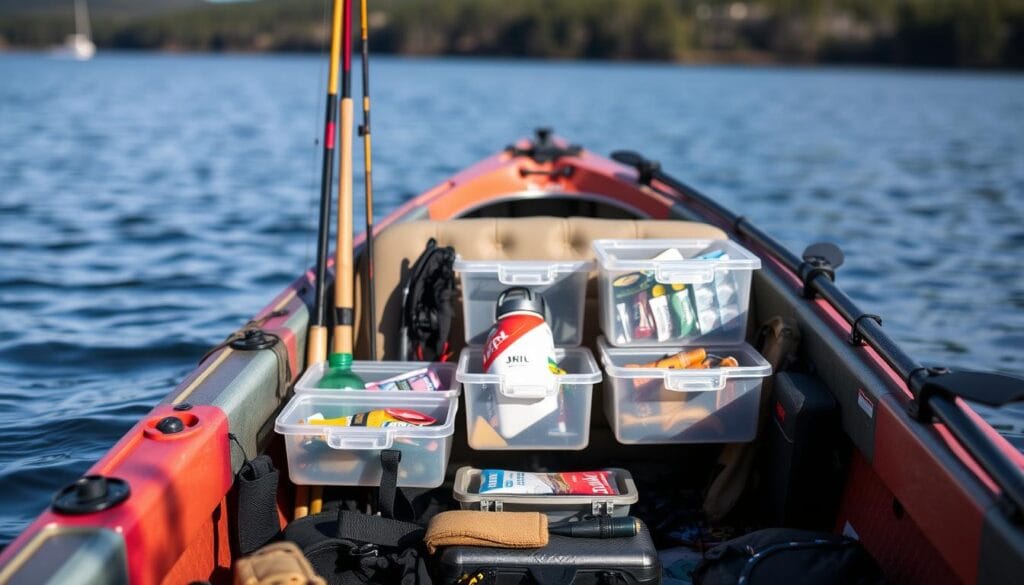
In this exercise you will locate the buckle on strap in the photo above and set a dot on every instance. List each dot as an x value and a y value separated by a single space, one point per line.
365 550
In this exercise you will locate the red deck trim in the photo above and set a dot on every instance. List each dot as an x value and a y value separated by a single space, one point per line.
176 485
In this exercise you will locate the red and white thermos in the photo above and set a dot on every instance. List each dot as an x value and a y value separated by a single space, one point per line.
521 350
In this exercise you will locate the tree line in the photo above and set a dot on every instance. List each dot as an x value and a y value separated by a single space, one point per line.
952 33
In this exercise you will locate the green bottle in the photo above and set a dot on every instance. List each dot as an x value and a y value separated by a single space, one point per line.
683 313
340 375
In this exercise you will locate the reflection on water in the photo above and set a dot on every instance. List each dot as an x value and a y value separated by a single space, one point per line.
149 204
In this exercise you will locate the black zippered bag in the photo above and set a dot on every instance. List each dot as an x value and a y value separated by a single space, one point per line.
564 561
783 555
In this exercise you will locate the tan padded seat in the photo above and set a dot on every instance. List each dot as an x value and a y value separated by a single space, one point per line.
529 238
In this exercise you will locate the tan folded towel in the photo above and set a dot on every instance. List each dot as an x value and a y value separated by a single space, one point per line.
496 529
484 436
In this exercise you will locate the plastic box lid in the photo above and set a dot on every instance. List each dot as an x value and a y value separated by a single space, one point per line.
752 365
371 371
362 438
590 375
467 484
637 255
523 272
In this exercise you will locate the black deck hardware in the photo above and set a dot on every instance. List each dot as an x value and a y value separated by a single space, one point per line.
563 171
253 340
967 431
183 406
646 169
821 258
170 425
988 388
92 493
855 336
543 149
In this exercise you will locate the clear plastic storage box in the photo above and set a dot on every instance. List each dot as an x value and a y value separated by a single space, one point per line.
563 284
370 371
662 405
503 415
350 455
557 508
673 292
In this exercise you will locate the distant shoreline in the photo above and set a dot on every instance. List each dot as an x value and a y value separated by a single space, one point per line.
767 62
956 34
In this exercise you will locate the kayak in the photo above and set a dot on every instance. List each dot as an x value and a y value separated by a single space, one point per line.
932 491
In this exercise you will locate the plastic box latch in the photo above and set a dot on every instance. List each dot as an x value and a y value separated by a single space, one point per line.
601 508
491 505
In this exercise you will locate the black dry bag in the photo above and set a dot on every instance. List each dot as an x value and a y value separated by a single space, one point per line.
783 555
427 304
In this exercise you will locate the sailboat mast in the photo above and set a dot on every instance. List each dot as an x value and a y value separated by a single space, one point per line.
82 19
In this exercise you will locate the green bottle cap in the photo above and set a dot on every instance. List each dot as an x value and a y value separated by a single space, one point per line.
340 360
340 374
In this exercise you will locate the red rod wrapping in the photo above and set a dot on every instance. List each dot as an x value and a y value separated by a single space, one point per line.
346 37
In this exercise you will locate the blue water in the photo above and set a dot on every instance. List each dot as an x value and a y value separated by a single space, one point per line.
149 204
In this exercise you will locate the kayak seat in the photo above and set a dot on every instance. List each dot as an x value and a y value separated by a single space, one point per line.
528 238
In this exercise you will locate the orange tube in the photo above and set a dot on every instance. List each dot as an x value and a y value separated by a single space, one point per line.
684 359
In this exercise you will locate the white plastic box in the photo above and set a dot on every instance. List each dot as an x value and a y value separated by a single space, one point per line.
332 455
661 405
501 415
370 371
674 292
563 284
557 508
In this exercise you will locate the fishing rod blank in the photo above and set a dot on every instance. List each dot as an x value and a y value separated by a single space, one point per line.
364 131
343 291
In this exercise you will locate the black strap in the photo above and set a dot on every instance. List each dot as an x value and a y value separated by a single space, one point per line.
274 343
257 522
382 530
389 460
378 530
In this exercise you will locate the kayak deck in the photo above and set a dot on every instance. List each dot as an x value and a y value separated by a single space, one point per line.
919 502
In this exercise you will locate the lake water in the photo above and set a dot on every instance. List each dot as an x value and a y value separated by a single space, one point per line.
150 204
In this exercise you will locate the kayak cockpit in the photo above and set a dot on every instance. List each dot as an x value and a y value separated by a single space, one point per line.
842 455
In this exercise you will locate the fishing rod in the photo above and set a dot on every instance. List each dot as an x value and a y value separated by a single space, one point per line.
364 131
343 292
316 343
344 313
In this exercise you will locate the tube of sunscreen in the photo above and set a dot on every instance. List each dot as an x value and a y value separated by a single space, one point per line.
575 483
661 312
387 417
421 380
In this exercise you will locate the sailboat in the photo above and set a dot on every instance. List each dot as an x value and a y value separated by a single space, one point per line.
78 46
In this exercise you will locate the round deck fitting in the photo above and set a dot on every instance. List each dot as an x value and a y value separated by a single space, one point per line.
92 493
253 340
